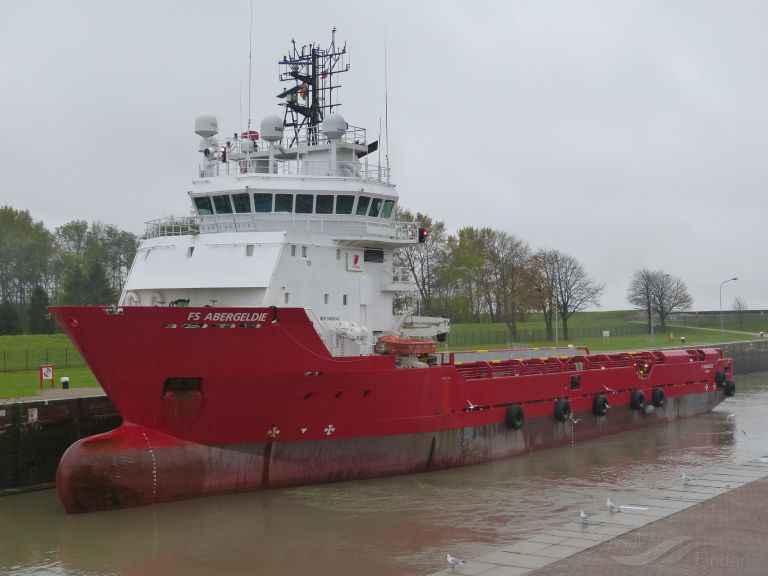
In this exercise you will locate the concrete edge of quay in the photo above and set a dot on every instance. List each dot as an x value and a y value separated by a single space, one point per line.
676 524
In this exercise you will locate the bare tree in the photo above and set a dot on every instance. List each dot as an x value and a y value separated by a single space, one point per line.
541 279
740 308
670 295
573 289
423 259
508 257
640 293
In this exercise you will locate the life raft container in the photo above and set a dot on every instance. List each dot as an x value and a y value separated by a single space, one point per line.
407 346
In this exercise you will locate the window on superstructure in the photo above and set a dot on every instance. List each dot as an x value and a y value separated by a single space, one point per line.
304 203
283 202
324 204
203 205
344 299
222 204
373 256
242 202
263 202
325 298
386 212
303 251
362 205
338 253
287 297
249 249
375 207
344 204
293 249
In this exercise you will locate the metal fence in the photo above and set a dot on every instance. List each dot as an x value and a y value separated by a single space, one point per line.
505 336
31 359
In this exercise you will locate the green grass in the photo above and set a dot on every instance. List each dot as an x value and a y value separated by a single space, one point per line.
27 382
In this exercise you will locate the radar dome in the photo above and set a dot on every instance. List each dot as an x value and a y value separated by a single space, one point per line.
272 128
334 126
206 125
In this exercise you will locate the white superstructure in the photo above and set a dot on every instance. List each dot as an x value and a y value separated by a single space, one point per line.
287 220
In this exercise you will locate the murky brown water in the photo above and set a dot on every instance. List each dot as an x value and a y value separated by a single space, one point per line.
402 525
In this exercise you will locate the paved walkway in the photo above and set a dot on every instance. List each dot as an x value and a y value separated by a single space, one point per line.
716 524
56 394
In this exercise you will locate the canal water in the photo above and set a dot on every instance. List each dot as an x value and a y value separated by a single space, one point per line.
402 525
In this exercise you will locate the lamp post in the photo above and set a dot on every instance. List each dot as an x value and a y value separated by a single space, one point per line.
723 283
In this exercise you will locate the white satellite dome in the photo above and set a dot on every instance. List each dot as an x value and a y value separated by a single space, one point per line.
206 125
334 126
272 128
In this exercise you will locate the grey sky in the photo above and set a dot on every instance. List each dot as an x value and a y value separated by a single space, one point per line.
628 134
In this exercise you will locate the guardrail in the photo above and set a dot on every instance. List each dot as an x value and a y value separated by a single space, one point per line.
407 232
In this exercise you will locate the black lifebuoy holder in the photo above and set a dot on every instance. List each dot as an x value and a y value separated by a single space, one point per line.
730 388
562 409
720 378
600 405
515 417
637 400
657 397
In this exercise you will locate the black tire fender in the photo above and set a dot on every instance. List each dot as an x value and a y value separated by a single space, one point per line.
515 417
729 388
720 378
658 397
562 409
637 400
600 405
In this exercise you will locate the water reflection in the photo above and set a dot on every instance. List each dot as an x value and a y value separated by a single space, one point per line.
403 524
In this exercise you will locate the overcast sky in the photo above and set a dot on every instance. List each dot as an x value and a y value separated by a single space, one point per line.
628 134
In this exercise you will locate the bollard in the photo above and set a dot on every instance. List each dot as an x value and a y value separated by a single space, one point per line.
682 339
65 382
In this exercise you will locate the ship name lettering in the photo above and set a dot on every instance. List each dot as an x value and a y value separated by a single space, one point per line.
230 316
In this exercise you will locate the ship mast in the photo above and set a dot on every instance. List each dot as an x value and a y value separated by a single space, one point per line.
314 93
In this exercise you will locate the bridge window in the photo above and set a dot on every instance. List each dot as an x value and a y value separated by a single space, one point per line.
304 203
222 205
242 202
203 205
283 202
375 207
344 299
262 202
386 212
344 204
325 298
324 205
373 256
249 249
362 205
287 297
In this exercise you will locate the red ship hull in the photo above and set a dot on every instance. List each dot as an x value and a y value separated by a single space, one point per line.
223 400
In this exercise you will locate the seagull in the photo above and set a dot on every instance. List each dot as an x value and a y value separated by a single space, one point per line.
472 406
685 478
453 561
584 517
730 416
608 389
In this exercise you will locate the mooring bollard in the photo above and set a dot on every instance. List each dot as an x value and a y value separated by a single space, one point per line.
65 382
682 339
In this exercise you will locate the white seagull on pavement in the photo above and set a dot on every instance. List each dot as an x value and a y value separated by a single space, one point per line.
453 561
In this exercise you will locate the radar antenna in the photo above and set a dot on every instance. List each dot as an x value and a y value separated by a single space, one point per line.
314 93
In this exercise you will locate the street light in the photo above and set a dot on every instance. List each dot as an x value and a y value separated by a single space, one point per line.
724 282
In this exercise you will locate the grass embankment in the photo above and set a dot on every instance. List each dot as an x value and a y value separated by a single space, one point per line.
34 350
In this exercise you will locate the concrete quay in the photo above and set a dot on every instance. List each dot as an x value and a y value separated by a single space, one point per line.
714 524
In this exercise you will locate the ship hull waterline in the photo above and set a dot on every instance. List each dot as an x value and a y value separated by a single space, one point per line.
134 466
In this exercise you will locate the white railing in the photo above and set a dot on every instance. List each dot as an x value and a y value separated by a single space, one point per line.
404 232
260 166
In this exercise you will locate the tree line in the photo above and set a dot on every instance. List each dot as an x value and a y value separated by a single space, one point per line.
482 274
77 263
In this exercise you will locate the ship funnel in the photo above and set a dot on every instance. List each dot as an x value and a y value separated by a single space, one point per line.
206 125
334 126
272 128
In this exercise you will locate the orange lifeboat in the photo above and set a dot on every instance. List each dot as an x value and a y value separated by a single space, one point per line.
407 346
